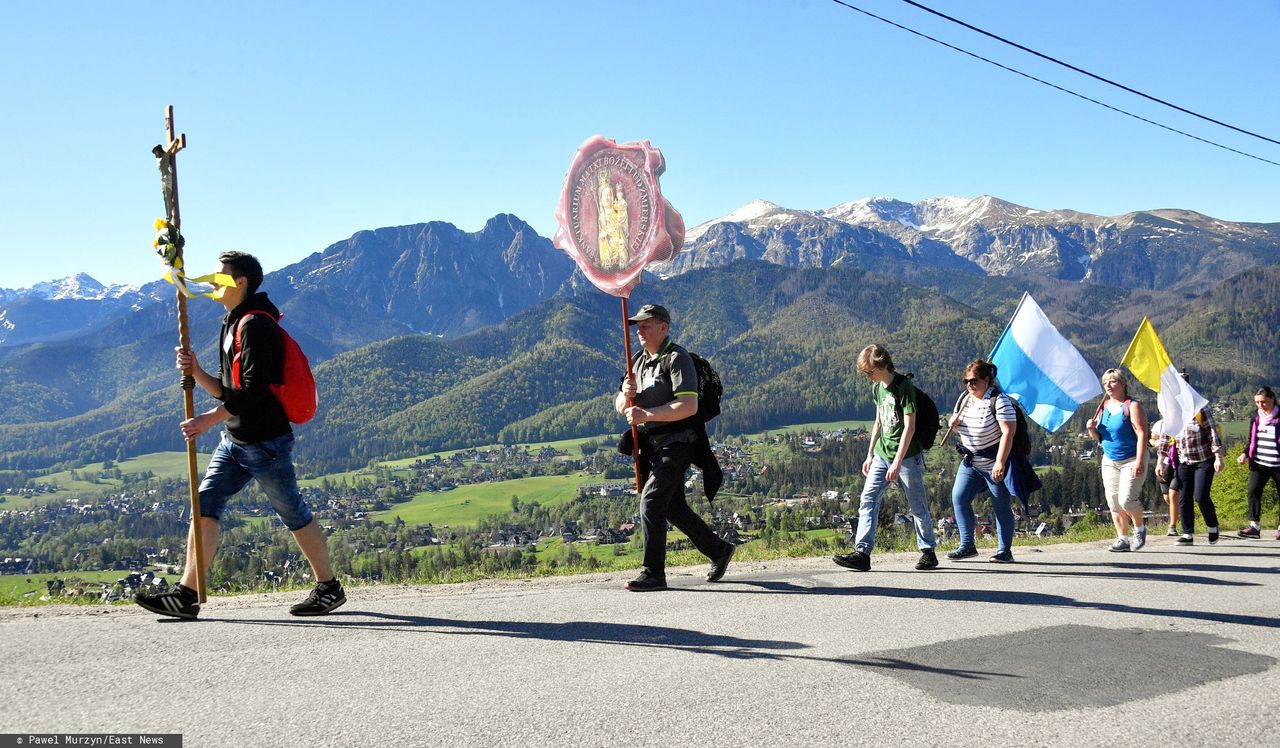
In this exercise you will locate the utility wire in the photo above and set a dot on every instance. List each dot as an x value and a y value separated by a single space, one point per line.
1082 71
1053 85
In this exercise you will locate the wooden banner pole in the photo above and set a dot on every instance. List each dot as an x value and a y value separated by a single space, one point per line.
635 434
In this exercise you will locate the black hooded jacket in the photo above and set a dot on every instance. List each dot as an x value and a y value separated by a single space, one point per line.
256 414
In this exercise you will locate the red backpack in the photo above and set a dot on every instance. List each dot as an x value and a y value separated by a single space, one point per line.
297 388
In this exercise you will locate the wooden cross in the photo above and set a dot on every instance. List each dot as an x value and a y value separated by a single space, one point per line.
167 156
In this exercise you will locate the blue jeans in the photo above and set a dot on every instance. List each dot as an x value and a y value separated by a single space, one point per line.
970 481
911 481
271 463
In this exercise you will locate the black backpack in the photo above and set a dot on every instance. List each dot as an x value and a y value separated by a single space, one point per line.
1021 436
928 422
710 387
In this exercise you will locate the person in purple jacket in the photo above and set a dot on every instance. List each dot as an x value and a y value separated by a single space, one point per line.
1262 453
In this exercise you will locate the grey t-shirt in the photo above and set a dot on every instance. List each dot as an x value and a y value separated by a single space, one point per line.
653 388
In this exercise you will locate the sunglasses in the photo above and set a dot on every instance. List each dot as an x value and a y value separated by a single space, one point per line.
972 380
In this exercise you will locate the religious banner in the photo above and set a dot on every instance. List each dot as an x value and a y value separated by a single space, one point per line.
613 220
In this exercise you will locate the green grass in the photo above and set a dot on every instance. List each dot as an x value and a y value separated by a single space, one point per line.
826 426
13 587
467 504
162 464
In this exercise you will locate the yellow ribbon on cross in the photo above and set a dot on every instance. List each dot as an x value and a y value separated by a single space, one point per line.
168 244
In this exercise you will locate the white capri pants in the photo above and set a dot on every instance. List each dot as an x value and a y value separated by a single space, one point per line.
1120 486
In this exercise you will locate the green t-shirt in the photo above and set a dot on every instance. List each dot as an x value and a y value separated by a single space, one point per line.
890 412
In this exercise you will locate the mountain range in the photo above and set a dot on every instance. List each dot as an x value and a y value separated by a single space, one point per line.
425 337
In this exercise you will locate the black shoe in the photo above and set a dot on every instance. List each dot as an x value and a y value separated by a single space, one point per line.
326 597
177 601
928 560
720 564
964 551
646 583
1213 537
858 561
1185 540
1003 557
1250 532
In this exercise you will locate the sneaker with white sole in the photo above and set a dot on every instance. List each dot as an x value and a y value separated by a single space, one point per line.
1120 546
326 597
177 601
1139 537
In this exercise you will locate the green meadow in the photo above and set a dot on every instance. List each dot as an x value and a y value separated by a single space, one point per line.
14 587
92 482
466 504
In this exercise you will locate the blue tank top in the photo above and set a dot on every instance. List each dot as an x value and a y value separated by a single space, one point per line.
1119 440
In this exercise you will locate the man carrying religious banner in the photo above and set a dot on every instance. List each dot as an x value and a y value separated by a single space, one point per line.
256 444
664 389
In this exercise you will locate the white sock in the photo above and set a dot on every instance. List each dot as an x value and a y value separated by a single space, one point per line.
1254 525
1212 529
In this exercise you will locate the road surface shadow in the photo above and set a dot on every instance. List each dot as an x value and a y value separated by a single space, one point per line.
1067 667
1015 597
600 632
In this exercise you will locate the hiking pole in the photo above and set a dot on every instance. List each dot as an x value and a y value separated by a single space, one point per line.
635 434
166 160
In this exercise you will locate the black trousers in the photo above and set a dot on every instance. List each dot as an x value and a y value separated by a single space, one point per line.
662 500
1258 477
1197 479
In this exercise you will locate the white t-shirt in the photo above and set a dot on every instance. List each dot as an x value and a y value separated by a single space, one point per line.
978 430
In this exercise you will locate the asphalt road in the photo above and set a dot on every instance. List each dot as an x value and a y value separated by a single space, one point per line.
1072 645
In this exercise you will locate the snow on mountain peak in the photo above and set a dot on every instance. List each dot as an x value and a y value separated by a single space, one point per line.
754 210
79 286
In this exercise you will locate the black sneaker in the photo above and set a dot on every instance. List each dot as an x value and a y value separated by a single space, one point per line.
326 597
1003 557
1213 537
177 601
1185 540
1250 532
964 551
928 560
719 565
646 583
858 561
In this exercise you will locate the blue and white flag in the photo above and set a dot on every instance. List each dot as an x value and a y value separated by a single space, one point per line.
1040 369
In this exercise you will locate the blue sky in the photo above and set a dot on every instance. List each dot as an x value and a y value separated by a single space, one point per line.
309 122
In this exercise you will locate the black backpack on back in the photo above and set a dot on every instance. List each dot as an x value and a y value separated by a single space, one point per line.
928 423
710 387
1021 436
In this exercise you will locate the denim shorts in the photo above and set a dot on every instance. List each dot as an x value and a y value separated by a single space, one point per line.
270 462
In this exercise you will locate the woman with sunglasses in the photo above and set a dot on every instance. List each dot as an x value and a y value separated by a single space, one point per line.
985 421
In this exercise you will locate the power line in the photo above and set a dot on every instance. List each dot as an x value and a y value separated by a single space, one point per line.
1082 71
1054 85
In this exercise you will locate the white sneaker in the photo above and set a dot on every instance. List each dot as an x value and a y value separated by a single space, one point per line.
1139 537
1120 546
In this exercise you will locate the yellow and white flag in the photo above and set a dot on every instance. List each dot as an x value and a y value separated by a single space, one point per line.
1150 363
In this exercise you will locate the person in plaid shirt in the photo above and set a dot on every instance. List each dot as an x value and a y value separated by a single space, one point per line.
1199 457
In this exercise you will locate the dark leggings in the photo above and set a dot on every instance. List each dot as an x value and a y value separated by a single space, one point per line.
1258 477
1197 479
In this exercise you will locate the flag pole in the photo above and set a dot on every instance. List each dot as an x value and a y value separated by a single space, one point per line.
635 434
167 157
990 355
1000 337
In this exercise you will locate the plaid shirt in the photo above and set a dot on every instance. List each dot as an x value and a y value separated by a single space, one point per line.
1199 441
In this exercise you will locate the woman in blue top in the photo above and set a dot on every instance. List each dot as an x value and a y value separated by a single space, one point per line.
1120 427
